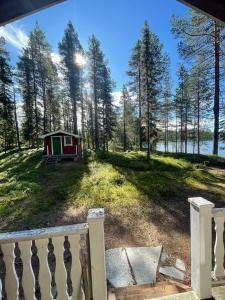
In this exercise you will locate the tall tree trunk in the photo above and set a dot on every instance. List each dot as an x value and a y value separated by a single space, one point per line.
186 127
181 131
45 107
35 98
165 137
176 135
139 109
96 116
198 119
216 108
148 130
124 128
16 120
82 119
75 115
92 126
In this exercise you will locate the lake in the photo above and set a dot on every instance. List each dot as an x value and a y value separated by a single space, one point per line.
205 147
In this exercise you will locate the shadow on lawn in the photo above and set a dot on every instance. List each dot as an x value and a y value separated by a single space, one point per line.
32 194
166 186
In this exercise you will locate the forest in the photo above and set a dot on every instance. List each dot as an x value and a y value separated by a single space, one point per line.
76 94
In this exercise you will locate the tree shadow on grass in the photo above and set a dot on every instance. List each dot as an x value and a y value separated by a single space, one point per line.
31 195
211 160
166 186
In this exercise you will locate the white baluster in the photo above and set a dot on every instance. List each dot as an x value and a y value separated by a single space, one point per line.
76 271
44 272
95 221
60 271
219 219
28 279
201 247
11 279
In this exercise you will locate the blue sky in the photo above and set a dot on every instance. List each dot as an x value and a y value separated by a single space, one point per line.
116 23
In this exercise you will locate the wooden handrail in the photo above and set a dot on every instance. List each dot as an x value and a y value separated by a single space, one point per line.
36 234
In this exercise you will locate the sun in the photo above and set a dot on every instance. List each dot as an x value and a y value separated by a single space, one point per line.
80 59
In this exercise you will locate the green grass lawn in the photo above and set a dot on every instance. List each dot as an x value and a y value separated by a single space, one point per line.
146 203
113 181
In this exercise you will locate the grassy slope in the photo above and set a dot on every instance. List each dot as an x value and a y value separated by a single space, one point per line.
146 203
108 180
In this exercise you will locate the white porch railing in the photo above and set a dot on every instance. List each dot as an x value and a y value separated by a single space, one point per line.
45 263
207 262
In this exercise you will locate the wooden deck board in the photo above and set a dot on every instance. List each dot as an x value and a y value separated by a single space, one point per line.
167 291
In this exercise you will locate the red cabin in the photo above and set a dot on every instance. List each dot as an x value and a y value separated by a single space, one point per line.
62 144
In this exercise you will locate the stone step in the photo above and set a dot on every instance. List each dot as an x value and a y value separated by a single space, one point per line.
147 291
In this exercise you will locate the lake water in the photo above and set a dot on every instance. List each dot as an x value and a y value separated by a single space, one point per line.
205 147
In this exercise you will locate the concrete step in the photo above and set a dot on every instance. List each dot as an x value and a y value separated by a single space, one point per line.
146 291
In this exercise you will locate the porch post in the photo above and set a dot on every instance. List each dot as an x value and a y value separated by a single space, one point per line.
201 246
95 221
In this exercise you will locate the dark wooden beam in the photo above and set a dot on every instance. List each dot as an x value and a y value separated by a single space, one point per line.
212 8
11 10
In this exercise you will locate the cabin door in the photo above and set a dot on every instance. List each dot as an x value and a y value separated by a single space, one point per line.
56 143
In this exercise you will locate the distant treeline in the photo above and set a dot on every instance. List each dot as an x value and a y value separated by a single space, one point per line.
74 91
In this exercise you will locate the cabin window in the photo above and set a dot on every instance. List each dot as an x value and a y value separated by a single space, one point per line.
68 140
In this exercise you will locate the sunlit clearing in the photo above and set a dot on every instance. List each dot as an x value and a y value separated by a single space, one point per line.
80 59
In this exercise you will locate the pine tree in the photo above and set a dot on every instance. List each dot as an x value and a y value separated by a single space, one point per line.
201 39
183 106
7 128
96 65
128 119
69 48
24 75
166 106
202 95
38 79
152 68
16 120
135 84
108 109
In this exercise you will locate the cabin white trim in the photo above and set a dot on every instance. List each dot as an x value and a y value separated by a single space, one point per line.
65 143
57 132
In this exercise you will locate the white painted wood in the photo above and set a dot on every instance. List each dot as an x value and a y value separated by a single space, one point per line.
59 131
219 219
44 272
11 279
76 271
28 279
60 271
97 253
1 291
201 246
71 143
27 235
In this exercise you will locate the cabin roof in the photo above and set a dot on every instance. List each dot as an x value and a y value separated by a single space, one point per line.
212 8
11 10
58 132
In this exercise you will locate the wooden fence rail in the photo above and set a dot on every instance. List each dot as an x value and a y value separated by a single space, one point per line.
45 263
207 260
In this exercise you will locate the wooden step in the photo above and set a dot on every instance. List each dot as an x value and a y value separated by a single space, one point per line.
52 160
146 291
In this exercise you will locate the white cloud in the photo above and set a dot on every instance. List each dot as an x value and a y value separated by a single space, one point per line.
20 113
55 58
14 35
116 98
